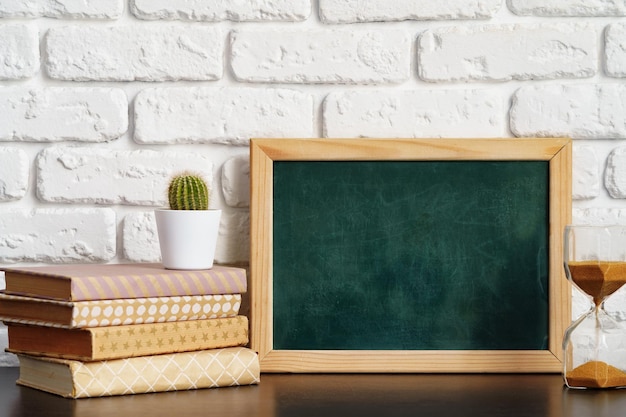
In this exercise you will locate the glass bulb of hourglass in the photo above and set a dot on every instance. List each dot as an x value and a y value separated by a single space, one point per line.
598 278
595 344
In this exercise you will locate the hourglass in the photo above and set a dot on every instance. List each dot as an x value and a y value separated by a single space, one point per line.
595 344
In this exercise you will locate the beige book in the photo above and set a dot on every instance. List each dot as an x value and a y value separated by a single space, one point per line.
172 372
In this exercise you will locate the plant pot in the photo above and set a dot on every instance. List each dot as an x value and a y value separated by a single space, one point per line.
187 238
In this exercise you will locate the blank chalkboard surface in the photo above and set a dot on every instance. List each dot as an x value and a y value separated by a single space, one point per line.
409 255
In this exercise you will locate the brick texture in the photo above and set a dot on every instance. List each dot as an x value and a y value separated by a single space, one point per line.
615 174
568 7
418 113
352 11
236 181
103 176
57 235
144 53
321 56
599 216
14 173
211 115
615 50
19 51
62 113
557 110
585 173
213 11
507 52
140 238
62 9
234 240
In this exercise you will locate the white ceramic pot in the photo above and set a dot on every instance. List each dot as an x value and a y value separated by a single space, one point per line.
188 238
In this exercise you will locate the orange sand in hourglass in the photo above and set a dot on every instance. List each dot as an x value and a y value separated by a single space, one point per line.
599 279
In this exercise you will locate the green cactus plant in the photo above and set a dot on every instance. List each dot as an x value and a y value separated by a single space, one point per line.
188 192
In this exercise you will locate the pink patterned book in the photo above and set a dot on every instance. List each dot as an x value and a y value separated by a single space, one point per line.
82 282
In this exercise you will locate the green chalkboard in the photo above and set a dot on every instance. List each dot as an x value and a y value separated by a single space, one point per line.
410 255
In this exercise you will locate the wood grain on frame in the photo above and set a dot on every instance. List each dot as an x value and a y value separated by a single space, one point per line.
263 154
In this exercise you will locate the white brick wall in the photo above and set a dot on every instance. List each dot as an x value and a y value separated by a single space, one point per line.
140 237
129 53
586 182
209 115
558 110
19 51
615 53
507 52
62 113
413 113
615 175
63 9
57 235
568 7
125 92
14 170
214 11
236 181
352 56
103 176
351 11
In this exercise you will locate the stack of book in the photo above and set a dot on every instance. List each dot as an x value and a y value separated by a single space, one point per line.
99 330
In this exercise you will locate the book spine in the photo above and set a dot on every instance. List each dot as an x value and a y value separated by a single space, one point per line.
160 338
218 280
160 373
129 341
104 313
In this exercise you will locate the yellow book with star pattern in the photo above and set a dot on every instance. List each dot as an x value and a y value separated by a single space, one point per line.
105 343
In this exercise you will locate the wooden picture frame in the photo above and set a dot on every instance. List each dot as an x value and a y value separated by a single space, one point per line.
263 155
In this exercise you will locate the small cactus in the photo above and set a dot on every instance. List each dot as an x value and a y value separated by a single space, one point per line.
188 192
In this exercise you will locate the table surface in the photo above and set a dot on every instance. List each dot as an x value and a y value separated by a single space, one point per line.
363 395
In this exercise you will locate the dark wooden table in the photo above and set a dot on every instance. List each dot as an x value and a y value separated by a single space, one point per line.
336 395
